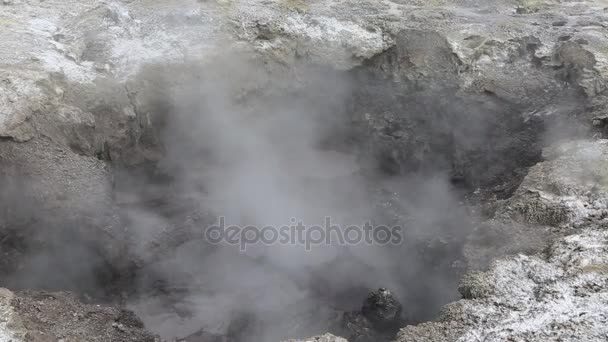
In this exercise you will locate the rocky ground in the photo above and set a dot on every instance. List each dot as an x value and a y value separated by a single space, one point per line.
557 293
84 91
44 316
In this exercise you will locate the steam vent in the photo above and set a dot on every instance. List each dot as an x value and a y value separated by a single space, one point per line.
303 170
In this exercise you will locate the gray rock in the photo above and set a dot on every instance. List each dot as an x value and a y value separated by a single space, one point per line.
382 309
378 320
562 282
557 197
43 316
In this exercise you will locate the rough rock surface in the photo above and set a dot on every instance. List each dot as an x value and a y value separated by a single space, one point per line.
46 316
105 43
557 197
378 319
382 309
558 294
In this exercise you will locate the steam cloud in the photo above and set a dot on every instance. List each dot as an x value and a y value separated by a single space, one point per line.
260 150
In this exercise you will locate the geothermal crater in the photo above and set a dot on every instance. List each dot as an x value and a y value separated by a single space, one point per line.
261 147
130 128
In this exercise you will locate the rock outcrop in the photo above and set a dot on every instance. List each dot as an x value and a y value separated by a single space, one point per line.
557 197
45 316
557 293
382 309
378 319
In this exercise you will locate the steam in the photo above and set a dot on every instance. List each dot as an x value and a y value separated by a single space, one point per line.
264 150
